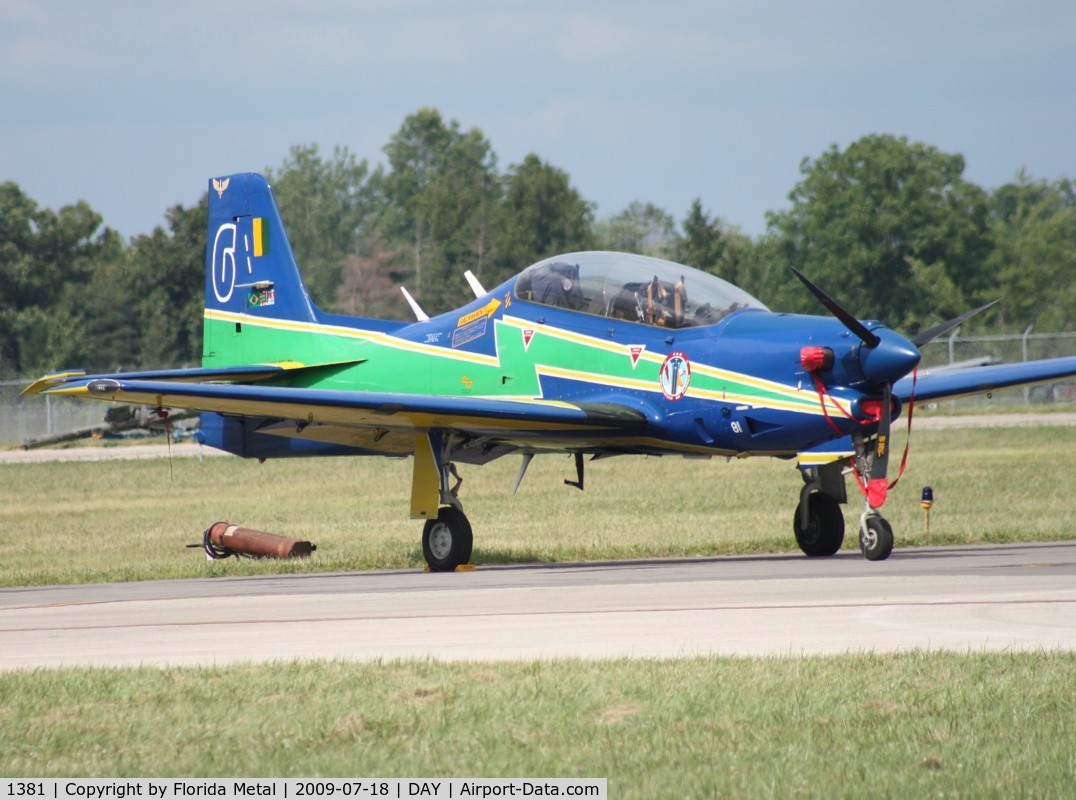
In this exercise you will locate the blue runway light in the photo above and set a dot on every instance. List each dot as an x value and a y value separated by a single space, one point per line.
928 497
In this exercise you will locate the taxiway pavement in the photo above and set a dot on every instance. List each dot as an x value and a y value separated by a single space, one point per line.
1003 597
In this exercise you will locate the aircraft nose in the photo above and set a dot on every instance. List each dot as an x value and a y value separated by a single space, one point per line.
892 359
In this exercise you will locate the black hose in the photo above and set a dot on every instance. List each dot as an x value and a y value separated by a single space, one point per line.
213 551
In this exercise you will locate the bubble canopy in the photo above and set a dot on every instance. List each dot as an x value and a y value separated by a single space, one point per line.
635 288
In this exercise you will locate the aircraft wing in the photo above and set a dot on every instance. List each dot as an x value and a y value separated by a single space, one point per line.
385 423
301 407
976 380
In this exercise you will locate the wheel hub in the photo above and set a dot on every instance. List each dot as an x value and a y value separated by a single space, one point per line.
440 541
869 538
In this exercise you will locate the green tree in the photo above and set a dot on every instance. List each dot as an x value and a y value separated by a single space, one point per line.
110 326
166 281
891 228
16 267
640 228
47 259
763 272
540 215
1033 224
370 283
439 200
710 244
326 205
704 243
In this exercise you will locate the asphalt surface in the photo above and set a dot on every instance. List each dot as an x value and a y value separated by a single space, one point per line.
980 598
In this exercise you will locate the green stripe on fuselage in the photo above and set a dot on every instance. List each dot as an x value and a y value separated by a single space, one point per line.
392 364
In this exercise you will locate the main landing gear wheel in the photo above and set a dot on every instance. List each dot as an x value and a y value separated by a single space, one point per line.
876 538
824 533
447 540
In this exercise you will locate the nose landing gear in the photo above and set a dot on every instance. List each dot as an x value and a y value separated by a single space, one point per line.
819 522
875 536
875 532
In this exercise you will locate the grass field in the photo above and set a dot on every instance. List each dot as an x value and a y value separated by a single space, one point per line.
911 725
130 520
907 725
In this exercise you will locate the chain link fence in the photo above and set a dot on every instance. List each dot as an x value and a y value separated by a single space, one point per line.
25 418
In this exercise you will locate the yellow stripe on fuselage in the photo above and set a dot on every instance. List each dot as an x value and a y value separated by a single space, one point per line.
791 398
376 337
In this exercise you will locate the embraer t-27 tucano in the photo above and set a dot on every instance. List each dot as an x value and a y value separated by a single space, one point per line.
595 354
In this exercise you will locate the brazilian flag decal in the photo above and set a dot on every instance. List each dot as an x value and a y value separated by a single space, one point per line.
261 237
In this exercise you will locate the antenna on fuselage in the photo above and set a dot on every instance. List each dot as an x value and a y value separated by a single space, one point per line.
527 457
474 283
421 315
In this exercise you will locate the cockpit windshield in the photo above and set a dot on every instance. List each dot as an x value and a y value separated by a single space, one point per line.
634 288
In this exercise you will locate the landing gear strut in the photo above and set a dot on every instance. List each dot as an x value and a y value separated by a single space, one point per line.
447 540
446 536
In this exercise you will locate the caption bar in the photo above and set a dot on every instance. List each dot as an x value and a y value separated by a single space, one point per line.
297 789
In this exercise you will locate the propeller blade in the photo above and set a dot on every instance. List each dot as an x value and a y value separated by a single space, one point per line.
881 453
933 333
878 485
853 324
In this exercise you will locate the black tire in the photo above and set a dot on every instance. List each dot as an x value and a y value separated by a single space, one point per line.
877 541
824 533
447 540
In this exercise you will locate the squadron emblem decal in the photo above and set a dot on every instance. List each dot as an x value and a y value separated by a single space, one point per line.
220 187
675 376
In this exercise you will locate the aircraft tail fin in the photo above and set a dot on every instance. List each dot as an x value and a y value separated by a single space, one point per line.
250 268
257 309
251 276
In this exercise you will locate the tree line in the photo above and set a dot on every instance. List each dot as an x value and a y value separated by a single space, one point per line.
890 227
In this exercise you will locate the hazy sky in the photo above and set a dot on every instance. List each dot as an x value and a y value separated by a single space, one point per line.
132 106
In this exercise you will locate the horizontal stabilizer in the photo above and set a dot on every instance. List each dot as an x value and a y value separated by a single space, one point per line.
976 380
248 374
49 381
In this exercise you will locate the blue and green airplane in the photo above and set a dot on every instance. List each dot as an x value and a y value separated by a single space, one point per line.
595 354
